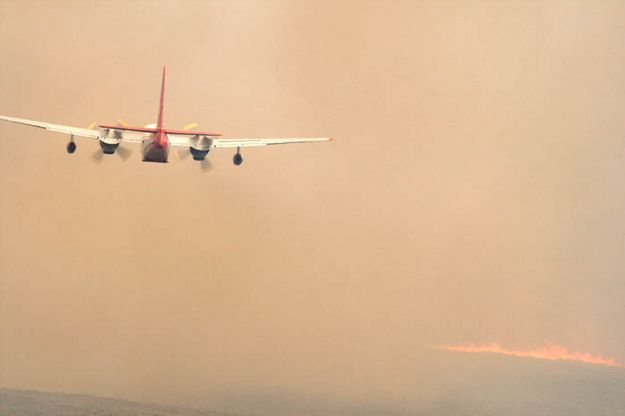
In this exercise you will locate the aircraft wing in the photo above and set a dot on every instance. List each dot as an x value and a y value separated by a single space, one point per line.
58 128
108 134
249 142
203 141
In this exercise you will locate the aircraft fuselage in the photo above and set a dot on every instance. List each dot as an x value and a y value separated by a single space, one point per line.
155 148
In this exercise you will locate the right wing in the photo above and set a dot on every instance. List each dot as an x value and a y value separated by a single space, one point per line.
58 128
245 142
207 141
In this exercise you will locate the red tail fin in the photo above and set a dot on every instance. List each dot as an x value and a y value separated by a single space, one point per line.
161 107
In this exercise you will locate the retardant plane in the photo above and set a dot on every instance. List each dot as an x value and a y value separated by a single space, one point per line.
156 139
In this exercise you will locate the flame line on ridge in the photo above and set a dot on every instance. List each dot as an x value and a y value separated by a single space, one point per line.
549 351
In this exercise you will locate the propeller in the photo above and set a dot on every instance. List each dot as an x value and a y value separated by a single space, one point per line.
206 165
97 156
183 153
123 152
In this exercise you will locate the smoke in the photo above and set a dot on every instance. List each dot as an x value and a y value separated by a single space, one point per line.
476 185
549 351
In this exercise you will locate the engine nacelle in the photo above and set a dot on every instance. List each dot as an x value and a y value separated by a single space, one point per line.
197 153
108 148
71 147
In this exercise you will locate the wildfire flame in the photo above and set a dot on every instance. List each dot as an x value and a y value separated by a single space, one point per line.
549 351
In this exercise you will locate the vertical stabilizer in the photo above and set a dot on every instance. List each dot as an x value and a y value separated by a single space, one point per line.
161 106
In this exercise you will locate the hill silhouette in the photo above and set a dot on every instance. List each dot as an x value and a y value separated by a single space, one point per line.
480 384
36 403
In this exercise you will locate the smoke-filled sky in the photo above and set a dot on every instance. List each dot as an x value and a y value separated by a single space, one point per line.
475 193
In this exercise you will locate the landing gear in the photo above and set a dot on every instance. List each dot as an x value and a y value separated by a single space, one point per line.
71 146
237 159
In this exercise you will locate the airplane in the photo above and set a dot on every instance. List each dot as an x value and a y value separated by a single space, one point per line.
156 139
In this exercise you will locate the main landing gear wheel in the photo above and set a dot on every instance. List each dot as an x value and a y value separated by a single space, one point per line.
237 159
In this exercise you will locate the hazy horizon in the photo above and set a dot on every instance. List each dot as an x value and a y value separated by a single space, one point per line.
474 193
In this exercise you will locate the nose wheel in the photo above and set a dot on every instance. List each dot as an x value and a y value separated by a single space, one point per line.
237 159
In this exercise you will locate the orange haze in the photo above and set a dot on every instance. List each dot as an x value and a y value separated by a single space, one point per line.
476 184
549 351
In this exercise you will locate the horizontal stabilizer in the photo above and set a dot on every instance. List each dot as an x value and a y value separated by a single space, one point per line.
128 128
191 133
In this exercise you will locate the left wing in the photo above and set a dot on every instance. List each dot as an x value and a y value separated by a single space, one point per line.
58 128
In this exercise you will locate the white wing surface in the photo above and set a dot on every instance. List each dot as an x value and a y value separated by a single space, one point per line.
245 142
206 142
58 128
